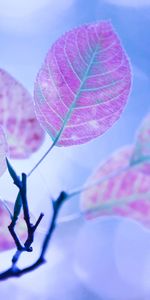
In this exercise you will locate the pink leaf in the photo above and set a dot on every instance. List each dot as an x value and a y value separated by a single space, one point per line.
83 85
126 194
6 240
141 154
23 132
3 152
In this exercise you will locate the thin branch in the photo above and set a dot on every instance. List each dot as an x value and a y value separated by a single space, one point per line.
56 208
22 186
16 239
14 271
38 221
23 192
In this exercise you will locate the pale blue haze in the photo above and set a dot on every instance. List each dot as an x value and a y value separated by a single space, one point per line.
26 33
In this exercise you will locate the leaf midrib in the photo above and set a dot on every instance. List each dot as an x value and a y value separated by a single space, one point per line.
110 204
68 115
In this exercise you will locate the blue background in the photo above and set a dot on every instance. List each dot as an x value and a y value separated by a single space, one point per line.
27 30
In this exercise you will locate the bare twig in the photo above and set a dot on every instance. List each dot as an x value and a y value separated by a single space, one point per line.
22 186
16 239
14 271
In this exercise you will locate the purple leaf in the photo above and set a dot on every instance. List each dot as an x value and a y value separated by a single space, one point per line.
126 194
3 152
83 85
141 154
17 117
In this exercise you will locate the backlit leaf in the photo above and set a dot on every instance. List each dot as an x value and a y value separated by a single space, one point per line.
17 117
3 152
6 240
83 85
126 194
141 154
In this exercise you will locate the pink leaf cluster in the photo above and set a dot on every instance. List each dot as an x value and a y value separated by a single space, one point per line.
6 240
126 194
17 117
141 154
83 85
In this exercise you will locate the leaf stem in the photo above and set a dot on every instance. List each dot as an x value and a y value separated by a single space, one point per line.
46 153
80 190
40 161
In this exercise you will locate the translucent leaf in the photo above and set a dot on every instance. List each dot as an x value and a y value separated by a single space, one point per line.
143 138
141 154
6 240
17 117
3 152
83 85
126 194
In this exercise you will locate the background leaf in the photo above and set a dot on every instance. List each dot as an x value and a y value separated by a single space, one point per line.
141 154
6 240
17 117
3 152
83 85
127 194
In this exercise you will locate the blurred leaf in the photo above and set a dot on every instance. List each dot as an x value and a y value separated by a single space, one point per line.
8 209
83 85
3 152
141 154
126 194
23 132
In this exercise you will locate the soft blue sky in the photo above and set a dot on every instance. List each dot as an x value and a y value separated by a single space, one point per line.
27 30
